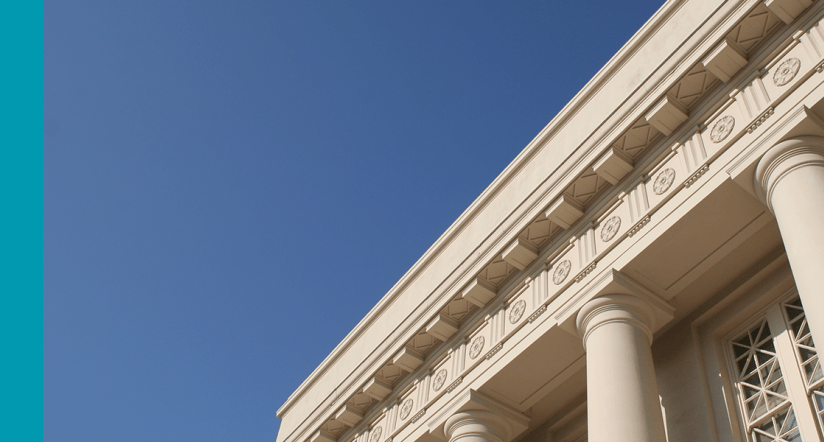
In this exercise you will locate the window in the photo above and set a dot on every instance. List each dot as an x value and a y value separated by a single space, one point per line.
778 376
806 356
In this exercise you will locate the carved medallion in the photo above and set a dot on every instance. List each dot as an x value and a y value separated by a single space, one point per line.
406 408
561 272
610 228
722 129
786 71
663 181
517 311
376 434
476 347
440 378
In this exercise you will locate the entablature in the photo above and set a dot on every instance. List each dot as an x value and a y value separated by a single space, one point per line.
556 237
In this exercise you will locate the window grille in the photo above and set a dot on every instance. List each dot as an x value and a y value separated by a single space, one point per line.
806 356
773 360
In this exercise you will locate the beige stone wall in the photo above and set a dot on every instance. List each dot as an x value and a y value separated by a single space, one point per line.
678 371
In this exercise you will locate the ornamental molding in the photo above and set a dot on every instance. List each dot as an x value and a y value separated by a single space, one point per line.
476 347
406 408
587 270
638 226
376 434
722 128
417 416
610 228
454 385
537 313
439 380
494 350
695 176
541 234
517 311
786 71
663 181
561 272
760 119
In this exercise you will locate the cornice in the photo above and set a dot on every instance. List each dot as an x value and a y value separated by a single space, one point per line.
618 60
520 215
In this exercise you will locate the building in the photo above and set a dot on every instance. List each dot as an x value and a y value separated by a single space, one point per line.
649 268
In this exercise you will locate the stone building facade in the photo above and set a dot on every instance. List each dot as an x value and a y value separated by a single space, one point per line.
649 268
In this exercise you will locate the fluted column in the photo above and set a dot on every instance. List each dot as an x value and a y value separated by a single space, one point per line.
790 180
622 393
477 426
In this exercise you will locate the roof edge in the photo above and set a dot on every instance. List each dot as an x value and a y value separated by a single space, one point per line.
568 111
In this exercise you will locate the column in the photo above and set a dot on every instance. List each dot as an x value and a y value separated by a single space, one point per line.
622 393
789 178
477 426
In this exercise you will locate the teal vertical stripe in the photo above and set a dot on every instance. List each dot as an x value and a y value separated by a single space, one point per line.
21 247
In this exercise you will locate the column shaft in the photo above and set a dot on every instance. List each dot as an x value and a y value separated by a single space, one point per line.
622 393
790 179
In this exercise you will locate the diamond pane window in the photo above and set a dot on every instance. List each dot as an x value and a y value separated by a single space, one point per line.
804 346
759 379
780 427
806 355
778 376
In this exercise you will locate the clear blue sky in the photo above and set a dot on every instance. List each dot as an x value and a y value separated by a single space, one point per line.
231 186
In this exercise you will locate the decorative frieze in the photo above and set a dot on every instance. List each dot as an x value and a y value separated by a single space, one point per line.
439 380
406 408
536 313
786 71
761 119
376 433
476 347
567 209
663 181
454 384
494 350
516 311
417 416
587 270
638 226
722 128
610 228
561 272
695 176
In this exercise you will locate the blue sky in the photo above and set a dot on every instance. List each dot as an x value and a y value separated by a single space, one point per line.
229 187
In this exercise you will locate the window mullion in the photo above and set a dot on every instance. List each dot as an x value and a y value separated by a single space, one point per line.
796 388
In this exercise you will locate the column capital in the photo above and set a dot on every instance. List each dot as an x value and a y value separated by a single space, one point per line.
783 158
615 308
789 178
477 425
